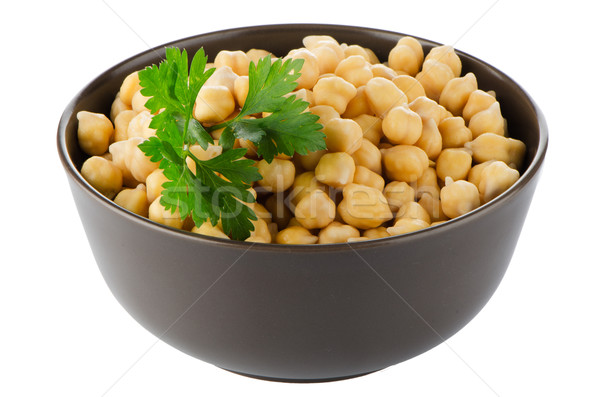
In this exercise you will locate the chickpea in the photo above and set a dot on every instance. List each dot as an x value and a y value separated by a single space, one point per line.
364 207
122 121
280 212
428 109
454 163
404 162
295 235
475 173
154 184
139 126
103 175
430 140
478 101
240 90
158 213
434 76
276 176
294 222
490 146
489 120
329 54
356 50
238 61
94 132
138 163
335 169
335 92
445 54
207 229
310 160
303 185
455 94
223 76
404 58
213 104
458 198
364 176
407 225
371 127
358 105
211 151
410 86
260 211
414 44
496 178
309 74
427 184
342 135
454 132
433 205
377 232
130 85
138 102
324 112
313 41
368 156
254 54
315 210
383 95
337 232
120 152
354 69
117 107
380 70
261 232
402 126
413 210
397 194
134 200
303 94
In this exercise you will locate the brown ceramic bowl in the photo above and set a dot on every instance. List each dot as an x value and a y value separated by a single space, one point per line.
304 313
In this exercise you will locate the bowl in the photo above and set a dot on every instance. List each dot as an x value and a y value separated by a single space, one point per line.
304 313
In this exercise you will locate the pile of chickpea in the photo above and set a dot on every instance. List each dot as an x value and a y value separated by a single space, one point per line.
410 144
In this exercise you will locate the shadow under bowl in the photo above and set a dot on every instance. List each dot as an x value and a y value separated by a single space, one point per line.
304 313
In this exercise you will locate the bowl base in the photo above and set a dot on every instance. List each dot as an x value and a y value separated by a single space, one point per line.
292 380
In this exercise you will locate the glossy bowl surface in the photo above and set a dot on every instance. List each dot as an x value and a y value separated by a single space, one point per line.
304 313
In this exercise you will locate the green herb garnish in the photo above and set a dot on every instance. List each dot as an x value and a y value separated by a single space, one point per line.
218 190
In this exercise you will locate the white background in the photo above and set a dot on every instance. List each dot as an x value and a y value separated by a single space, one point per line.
63 334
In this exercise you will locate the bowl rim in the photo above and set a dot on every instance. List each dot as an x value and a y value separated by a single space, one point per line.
509 194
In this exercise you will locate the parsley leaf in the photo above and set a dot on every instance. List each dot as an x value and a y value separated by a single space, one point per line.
288 129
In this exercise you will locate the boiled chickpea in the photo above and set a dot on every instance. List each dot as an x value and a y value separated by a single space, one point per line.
295 235
256 54
134 200
277 176
478 100
403 57
404 162
454 132
303 185
309 74
458 198
430 140
280 212
223 76
238 61
94 132
410 86
406 225
139 126
342 135
384 95
310 160
368 156
117 107
354 69
158 213
434 77
380 70
433 205
488 120
261 232
397 194
496 178
358 105
335 169
337 232
490 146
413 210
402 126
154 184
428 109
364 207
427 184
445 54
454 163
475 172
213 104
122 121
207 229
315 210
335 92
138 102
377 232
364 176
130 85
324 112
103 175
329 54
240 89
455 94
371 127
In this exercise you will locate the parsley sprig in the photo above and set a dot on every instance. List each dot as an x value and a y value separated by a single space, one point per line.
218 189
